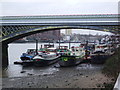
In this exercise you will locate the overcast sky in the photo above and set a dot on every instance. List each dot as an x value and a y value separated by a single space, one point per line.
58 7
87 31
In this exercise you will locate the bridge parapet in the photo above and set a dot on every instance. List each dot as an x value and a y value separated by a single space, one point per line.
59 19
13 26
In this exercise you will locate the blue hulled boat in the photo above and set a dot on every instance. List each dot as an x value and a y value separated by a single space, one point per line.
28 55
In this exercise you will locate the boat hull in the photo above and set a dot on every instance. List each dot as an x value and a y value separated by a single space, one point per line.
28 63
69 61
45 61
99 59
26 57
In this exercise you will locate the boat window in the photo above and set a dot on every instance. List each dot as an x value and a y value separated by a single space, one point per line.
98 46
76 49
40 55
73 49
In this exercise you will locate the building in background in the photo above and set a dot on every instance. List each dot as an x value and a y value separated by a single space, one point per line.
45 36
68 32
48 35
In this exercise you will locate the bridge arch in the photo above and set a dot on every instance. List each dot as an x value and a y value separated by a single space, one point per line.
16 33
20 34
15 27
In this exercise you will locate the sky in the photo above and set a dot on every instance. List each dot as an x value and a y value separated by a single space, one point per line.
87 31
57 7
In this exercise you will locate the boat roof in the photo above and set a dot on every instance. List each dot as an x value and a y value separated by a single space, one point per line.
31 49
101 44
62 47
51 48
75 47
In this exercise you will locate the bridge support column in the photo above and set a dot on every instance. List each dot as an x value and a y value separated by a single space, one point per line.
4 55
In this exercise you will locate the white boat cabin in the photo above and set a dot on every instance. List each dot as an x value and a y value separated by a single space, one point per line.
77 51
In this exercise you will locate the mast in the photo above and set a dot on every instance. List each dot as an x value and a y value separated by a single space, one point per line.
36 46
59 43
69 42
86 50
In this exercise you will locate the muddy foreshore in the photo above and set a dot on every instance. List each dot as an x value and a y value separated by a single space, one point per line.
82 76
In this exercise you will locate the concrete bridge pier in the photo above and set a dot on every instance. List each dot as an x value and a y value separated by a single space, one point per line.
4 55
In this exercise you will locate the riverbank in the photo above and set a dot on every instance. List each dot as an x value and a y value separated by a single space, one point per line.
112 65
82 76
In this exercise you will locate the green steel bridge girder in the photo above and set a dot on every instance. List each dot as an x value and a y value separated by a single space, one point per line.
11 33
19 26
15 27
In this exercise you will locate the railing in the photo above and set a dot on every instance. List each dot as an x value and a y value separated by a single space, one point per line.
60 19
117 84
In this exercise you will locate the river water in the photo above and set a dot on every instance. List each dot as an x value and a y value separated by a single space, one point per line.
16 49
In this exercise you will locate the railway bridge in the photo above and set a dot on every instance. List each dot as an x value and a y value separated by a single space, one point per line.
16 27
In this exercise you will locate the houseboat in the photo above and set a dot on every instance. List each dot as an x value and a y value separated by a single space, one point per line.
72 57
100 54
46 57
27 57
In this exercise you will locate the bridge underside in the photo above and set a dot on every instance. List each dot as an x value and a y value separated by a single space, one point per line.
16 27
13 32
